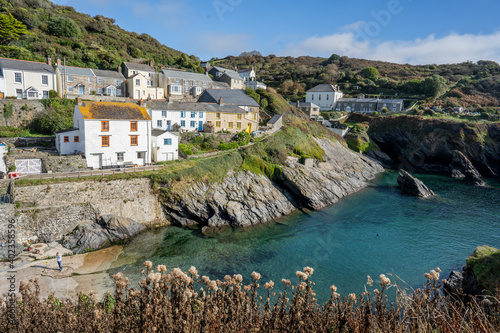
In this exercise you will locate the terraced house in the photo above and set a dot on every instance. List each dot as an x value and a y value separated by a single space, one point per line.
143 82
108 134
232 78
177 116
184 86
26 79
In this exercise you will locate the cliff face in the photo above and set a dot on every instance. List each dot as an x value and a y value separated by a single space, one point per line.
244 199
429 144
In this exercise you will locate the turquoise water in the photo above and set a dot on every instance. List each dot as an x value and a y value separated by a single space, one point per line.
377 230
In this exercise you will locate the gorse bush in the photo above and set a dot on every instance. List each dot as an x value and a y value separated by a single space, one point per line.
185 302
63 27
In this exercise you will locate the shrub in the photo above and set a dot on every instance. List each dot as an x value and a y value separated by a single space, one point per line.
63 27
371 73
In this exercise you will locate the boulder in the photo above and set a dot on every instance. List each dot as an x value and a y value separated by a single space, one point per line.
412 186
4 250
462 167
465 282
106 229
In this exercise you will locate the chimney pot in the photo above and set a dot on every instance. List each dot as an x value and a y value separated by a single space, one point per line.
151 63
58 62
221 101
49 61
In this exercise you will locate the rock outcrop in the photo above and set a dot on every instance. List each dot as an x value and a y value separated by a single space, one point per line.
413 186
462 167
245 199
92 235
465 282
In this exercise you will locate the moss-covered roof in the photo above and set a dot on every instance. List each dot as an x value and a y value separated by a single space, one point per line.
113 111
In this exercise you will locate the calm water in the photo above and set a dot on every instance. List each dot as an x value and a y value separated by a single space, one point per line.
374 231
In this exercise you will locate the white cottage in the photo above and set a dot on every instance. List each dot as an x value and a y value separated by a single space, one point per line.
189 117
324 95
26 79
108 134
164 146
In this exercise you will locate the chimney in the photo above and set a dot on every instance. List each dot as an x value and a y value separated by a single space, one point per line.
58 62
49 61
151 63
221 102
236 68
206 71
119 68
298 104
78 101
141 102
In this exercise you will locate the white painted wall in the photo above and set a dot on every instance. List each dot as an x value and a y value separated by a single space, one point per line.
143 91
176 117
160 151
29 79
325 100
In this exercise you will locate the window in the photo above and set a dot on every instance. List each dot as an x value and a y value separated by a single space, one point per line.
91 79
45 94
217 115
192 124
239 116
312 97
195 83
159 123
204 84
137 82
217 124
32 94
120 156
76 138
70 78
186 89
164 113
99 90
193 114
140 154
110 91
105 141
253 116
176 80
133 140
150 83
238 125
104 126
18 78
135 72
149 74
45 80
230 125
66 139
327 97
19 93
183 123
167 142
133 126
91 90
168 124
200 115
183 114
118 82
99 80
319 97
118 92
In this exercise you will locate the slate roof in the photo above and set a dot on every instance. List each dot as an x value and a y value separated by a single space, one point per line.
25 65
229 96
107 73
139 67
67 130
274 119
70 70
304 104
245 71
186 75
232 74
391 101
358 100
186 106
157 132
113 111
324 88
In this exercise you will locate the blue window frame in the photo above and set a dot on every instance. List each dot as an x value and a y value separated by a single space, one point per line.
167 142
193 114
201 115
192 124
164 113
183 123
183 114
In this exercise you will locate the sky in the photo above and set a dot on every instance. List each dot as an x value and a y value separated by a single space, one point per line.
401 31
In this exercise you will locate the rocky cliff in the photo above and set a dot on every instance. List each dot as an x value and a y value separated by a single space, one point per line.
431 144
244 199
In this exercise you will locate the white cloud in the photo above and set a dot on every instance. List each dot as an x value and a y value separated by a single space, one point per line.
221 45
452 48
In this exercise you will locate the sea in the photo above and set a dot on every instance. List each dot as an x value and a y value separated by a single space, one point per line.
377 230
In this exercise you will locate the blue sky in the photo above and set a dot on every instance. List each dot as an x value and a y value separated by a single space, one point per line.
402 31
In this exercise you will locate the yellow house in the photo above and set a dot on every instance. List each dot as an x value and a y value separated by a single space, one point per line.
232 118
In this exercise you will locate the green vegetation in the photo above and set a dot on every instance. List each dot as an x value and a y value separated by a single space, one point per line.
485 262
58 115
371 73
51 30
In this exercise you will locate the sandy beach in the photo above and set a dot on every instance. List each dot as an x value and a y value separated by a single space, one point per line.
81 273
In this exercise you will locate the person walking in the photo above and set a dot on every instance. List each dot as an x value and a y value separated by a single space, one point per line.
59 260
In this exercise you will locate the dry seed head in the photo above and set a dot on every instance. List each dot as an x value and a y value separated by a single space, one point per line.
308 270
301 275
256 276
333 288
370 281
227 278
148 264
352 297
286 282
269 284
161 268
238 278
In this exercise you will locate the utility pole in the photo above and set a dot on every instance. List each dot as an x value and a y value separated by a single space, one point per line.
64 84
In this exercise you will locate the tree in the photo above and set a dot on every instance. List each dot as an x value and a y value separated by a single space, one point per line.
371 73
63 27
10 29
264 103
434 86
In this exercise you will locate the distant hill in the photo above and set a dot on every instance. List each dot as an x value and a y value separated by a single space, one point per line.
466 84
96 42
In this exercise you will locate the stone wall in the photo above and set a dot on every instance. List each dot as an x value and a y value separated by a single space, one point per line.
50 162
49 210
24 111
45 141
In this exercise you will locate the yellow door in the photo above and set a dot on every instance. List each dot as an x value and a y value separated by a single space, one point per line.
249 128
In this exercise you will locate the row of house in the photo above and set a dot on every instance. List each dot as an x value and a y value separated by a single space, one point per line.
34 80
328 97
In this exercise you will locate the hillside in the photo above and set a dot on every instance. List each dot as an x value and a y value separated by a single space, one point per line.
85 41
466 84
